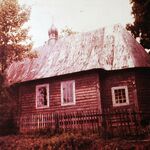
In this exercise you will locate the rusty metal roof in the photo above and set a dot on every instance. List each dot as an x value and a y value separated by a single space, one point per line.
109 48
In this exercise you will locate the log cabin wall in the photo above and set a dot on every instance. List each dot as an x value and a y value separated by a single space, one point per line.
86 91
143 88
111 79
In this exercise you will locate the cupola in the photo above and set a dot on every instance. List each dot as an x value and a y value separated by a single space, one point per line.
53 33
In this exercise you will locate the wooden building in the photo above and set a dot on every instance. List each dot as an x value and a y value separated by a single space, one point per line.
105 68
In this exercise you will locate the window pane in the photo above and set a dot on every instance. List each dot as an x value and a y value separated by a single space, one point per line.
64 93
70 88
67 92
41 96
120 96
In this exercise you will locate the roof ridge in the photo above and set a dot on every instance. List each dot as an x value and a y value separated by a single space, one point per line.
70 54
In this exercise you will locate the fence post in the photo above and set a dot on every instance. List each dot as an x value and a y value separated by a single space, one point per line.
104 124
56 123
136 122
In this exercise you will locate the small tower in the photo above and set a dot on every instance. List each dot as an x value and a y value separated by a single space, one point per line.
53 33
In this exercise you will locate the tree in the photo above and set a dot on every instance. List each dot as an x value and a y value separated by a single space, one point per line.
141 25
15 44
67 32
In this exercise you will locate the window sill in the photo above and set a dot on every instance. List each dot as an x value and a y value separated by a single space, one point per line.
68 104
42 107
119 105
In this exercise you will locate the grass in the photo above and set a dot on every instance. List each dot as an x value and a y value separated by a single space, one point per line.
69 141
66 141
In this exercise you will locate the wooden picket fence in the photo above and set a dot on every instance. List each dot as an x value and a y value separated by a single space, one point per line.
89 120
110 123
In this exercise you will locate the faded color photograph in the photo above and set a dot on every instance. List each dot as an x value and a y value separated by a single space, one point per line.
74 75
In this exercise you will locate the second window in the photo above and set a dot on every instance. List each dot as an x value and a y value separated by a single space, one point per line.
68 92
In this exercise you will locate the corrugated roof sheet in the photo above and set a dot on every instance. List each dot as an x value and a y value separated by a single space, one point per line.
109 48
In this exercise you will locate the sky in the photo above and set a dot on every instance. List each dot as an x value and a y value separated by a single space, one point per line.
80 15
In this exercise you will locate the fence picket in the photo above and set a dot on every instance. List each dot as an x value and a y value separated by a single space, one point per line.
115 122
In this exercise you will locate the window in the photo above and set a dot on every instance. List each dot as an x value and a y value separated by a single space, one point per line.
42 96
68 93
120 96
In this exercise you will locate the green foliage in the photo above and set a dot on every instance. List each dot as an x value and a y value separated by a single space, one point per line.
67 32
15 44
42 132
66 141
70 141
7 125
141 25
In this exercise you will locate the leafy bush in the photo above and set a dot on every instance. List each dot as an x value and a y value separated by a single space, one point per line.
8 125
69 141
46 132
66 141
72 141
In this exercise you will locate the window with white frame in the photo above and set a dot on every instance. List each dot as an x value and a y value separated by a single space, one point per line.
68 92
42 96
120 95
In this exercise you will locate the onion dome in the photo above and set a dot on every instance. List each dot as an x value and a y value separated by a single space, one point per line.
53 32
